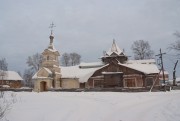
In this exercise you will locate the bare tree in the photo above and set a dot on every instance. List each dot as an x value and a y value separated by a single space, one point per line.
3 64
142 50
4 104
75 58
70 59
27 76
65 59
3 69
23 82
176 45
35 61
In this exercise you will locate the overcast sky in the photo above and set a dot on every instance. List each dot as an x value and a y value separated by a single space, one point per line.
85 26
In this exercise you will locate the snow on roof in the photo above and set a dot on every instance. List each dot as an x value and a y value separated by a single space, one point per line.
146 68
52 50
55 66
12 75
75 72
149 61
114 49
39 77
91 65
51 47
165 72
48 70
35 75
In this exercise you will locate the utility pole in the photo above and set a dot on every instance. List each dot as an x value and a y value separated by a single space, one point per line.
174 74
162 67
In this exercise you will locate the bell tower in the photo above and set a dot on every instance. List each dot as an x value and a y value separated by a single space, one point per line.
51 60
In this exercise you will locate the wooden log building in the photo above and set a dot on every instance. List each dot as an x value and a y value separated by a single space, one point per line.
11 79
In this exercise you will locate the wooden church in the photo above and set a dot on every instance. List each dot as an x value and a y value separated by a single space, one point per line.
118 71
113 70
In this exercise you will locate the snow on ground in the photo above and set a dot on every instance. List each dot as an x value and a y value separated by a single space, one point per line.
96 106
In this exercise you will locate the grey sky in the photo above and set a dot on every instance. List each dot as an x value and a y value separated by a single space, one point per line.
85 26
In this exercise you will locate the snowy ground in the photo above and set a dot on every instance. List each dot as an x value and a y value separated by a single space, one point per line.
96 106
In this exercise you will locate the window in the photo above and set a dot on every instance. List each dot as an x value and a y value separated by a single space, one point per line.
129 82
149 81
47 57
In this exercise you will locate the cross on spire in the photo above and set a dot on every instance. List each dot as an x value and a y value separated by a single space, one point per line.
52 26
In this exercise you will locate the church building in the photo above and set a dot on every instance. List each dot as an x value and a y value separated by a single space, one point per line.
49 74
113 70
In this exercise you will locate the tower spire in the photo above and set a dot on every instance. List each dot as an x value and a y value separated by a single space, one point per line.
114 46
114 41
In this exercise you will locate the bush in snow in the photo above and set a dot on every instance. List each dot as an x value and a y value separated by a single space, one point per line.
6 102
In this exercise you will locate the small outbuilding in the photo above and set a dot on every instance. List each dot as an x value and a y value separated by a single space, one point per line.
11 79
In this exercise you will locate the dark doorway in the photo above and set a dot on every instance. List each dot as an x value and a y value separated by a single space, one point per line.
113 79
43 86
82 85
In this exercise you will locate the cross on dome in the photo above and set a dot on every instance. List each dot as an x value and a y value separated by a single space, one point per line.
52 26
51 37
